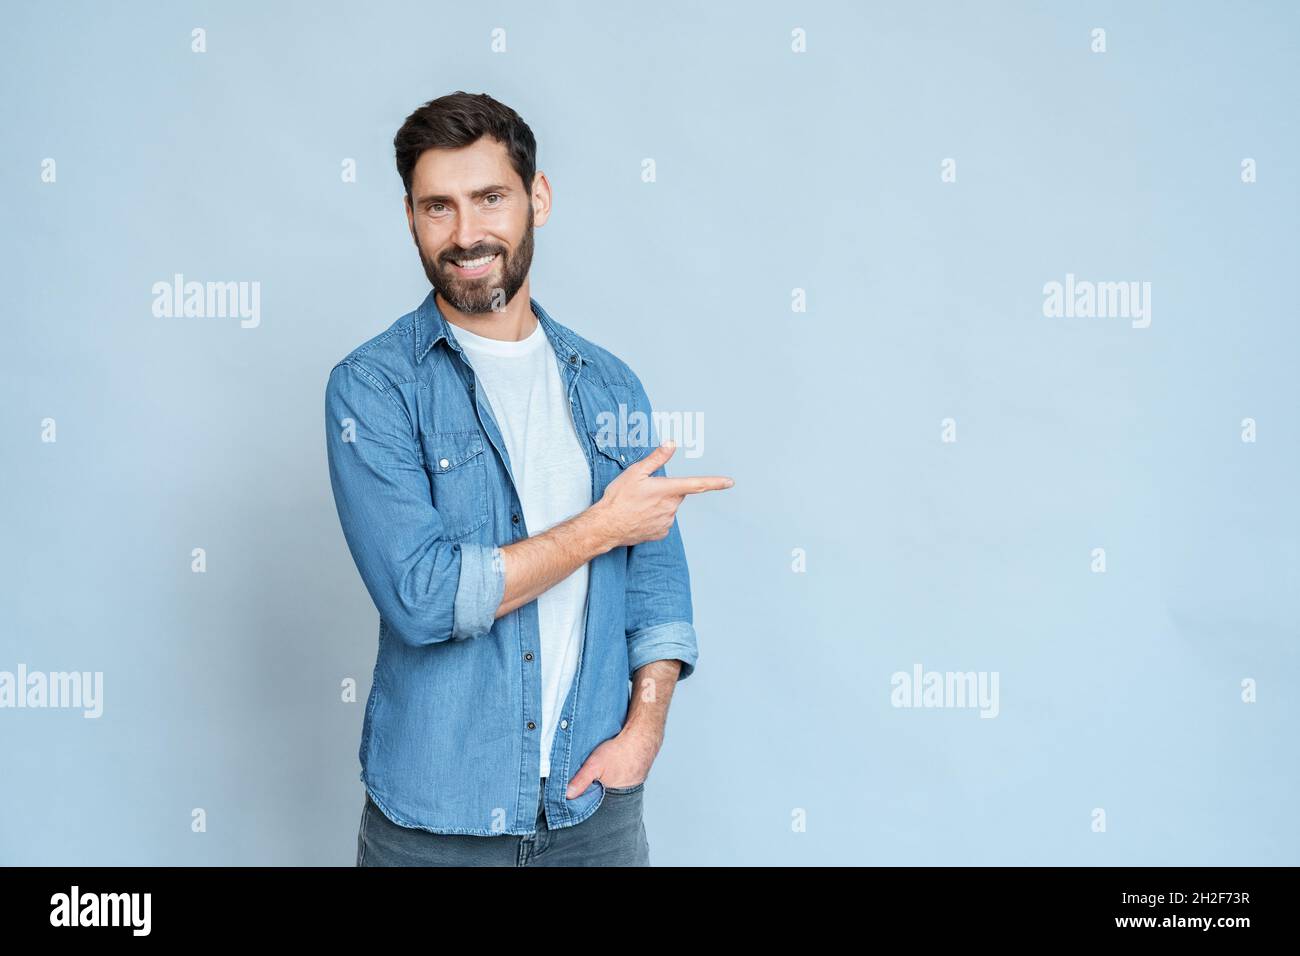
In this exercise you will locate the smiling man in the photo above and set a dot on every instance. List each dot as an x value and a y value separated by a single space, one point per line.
526 563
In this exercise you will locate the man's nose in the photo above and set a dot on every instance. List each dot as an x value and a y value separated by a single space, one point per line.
469 229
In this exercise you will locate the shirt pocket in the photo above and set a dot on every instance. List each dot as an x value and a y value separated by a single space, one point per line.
458 477
613 457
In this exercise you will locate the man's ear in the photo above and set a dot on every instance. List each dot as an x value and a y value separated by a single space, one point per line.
540 198
410 217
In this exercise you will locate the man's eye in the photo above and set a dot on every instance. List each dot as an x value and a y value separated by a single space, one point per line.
491 195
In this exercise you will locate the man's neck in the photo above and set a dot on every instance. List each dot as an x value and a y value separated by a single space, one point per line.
513 323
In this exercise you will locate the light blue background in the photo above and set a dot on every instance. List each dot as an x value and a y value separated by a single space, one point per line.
776 171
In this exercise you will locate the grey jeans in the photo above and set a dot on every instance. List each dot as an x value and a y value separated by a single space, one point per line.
612 836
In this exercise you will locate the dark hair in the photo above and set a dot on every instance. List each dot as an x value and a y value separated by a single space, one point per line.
459 119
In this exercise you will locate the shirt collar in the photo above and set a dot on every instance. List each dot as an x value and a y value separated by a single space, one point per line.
431 326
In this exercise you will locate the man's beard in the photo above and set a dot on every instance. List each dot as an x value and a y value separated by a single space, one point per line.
482 294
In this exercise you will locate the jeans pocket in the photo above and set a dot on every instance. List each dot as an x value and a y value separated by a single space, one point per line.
635 788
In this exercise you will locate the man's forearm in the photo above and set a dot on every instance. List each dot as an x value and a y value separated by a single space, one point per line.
538 563
647 711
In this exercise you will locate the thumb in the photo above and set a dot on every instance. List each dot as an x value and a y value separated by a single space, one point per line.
657 457
580 781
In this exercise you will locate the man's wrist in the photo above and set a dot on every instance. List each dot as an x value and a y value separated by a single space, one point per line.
647 733
595 529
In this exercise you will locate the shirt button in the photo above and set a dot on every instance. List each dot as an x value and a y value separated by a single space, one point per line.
622 457
444 463
528 655
515 518
564 724
531 725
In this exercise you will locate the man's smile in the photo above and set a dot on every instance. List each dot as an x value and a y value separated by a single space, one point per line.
469 268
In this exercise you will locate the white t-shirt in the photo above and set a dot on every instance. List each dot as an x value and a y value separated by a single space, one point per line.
523 385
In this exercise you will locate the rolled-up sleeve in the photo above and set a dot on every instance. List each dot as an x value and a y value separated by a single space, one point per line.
660 622
478 595
427 589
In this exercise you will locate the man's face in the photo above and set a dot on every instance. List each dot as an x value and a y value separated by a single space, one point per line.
473 222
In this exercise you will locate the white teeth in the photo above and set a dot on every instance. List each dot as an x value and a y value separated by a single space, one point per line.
475 263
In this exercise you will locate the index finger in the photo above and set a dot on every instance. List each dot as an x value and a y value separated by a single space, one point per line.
697 483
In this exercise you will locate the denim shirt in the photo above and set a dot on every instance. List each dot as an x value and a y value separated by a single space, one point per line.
451 739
